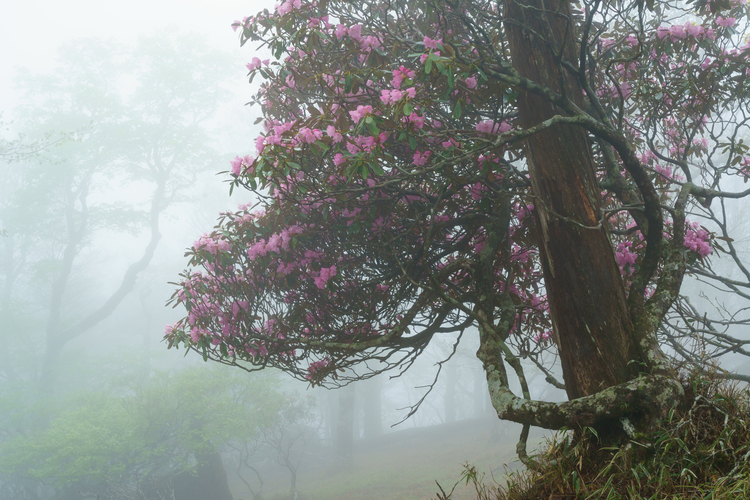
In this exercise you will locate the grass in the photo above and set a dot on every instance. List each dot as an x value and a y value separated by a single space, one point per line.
702 451
406 464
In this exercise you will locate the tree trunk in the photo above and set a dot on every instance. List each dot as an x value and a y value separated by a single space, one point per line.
586 294
209 481
372 408
345 426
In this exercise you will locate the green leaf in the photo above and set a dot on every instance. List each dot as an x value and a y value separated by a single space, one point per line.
407 109
451 81
458 110
428 66
412 142
374 131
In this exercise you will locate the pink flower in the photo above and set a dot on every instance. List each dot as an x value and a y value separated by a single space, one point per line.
309 136
491 127
696 239
677 32
360 113
355 32
340 31
694 30
391 96
429 43
449 143
326 274
399 75
336 136
726 22
255 64
421 158
338 159
471 82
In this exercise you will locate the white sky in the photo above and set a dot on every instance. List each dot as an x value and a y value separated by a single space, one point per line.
31 30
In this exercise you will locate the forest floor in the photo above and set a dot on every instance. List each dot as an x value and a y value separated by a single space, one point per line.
406 464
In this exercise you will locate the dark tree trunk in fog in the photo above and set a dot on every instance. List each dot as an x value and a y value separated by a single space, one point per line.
585 290
372 407
345 425
209 481
451 388
58 334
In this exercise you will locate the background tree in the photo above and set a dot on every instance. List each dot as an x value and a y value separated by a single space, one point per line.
150 439
537 169
139 123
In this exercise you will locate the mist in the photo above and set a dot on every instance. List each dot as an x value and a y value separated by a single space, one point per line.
119 122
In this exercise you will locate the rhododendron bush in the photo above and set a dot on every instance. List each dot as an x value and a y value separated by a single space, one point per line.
547 172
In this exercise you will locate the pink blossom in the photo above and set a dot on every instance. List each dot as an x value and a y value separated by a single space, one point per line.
340 31
696 239
727 22
449 143
492 127
471 82
368 43
255 64
694 30
391 96
326 274
541 337
241 163
399 75
421 158
309 136
355 32
414 118
336 136
677 32
257 249
360 113
338 159
429 43
626 257
284 8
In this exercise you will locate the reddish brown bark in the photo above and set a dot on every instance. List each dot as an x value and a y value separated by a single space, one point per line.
586 293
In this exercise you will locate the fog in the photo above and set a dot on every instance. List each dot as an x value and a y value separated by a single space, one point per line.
116 119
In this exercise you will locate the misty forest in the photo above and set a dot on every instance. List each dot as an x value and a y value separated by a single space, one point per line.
458 249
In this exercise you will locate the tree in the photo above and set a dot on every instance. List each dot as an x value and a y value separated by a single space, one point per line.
546 171
136 119
149 438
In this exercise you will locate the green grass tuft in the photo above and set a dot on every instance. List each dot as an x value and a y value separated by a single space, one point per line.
701 451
